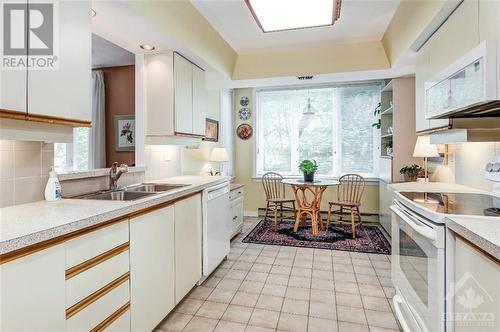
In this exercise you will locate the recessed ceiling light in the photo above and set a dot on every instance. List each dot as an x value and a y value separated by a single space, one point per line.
147 47
279 15
93 12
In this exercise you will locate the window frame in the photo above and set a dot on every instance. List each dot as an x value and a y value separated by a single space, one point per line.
257 170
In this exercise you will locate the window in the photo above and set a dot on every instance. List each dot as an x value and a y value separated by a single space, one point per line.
332 125
73 156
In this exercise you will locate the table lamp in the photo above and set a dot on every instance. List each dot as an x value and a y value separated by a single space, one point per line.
424 149
218 155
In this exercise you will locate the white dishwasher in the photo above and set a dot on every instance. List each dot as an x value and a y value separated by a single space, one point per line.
216 226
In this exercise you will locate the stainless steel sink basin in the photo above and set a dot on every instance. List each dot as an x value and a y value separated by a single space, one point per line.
155 187
120 195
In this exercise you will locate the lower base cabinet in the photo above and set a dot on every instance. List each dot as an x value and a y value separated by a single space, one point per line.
385 202
474 295
152 269
32 292
187 245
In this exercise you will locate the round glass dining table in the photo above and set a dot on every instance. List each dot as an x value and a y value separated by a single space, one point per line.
308 197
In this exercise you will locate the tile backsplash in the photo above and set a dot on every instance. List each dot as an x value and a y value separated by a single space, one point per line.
24 170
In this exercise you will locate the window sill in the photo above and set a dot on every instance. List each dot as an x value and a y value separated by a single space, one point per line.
368 180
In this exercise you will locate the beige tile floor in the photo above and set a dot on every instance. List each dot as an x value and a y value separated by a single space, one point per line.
263 288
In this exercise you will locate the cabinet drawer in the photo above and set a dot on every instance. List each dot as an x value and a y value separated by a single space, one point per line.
120 324
95 311
236 193
91 280
85 247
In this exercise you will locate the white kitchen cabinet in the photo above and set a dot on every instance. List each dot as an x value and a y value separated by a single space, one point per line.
385 201
175 97
187 245
236 204
199 101
473 292
152 268
13 90
33 292
66 91
183 80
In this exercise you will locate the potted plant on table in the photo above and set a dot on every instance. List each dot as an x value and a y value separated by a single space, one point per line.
308 168
411 172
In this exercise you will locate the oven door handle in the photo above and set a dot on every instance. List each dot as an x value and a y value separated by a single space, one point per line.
398 301
423 230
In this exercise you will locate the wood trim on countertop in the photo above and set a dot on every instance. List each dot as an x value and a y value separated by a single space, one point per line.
79 306
114 316
90 263
16 254
24 116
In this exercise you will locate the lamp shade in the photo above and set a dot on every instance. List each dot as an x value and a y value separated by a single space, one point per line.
219 155
424 148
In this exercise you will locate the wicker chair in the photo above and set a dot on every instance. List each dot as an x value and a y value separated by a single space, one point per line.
349 194
275 197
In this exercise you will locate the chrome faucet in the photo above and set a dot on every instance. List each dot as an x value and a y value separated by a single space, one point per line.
114 174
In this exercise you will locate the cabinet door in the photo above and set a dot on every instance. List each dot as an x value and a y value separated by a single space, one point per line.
385 201
183 82
151 268
13 90
159 70
65 92
32 293
187 245
236 216
199 101
476 278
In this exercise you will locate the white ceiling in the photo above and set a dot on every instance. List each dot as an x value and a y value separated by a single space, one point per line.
360 20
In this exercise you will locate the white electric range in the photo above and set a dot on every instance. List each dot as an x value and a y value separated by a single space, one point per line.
419 249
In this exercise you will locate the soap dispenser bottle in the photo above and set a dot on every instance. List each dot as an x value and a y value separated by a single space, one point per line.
53 187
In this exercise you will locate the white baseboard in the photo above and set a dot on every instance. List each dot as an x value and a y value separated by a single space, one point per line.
251 213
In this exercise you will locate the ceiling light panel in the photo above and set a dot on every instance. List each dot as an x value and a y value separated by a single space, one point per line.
279 15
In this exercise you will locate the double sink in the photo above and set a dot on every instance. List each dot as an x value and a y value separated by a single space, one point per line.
133 192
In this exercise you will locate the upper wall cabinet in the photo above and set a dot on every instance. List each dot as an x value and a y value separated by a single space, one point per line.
175 96
57 81
65 92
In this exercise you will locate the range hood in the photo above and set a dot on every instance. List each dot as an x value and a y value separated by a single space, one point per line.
463 130
485 109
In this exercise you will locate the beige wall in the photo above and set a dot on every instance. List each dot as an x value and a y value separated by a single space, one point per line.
409 20
311 59
186 25
24 170
244 160
464 30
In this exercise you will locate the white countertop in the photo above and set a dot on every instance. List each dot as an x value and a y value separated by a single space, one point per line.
484 232
28 224
442 187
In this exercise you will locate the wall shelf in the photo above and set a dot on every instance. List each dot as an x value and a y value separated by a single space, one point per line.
388 111
387 136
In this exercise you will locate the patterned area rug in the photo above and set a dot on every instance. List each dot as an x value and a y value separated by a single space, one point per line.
339 237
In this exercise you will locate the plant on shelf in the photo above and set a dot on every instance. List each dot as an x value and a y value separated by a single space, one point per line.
411 172
376 113
388 148
308 168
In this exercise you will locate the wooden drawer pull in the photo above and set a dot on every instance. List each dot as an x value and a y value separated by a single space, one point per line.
77 307
114 316
84 266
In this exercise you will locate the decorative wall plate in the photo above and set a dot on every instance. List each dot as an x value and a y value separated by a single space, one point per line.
244 101
244 113
244 131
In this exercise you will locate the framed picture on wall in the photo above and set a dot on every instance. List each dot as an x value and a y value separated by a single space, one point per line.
211 130
124 132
